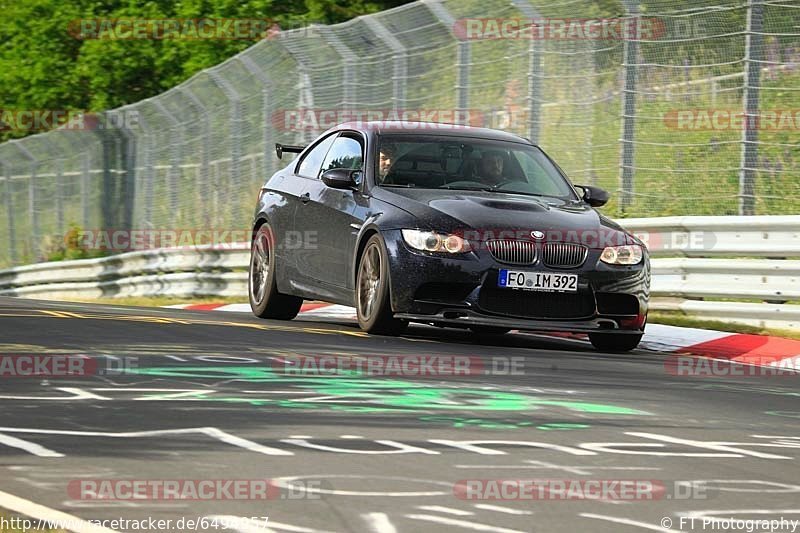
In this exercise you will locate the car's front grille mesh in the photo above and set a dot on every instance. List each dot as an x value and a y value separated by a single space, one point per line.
554 254
512 251
535 304
563 255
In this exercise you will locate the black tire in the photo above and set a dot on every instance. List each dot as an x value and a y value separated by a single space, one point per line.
262 289
615 342
489 331
373 305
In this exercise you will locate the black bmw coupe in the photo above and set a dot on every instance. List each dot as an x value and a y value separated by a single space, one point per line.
446 225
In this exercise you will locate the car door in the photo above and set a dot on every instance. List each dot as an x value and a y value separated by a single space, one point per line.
293 237
328 213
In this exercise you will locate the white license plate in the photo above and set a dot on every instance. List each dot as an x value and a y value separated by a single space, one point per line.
537 281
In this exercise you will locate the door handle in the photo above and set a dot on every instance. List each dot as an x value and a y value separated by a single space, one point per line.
305 198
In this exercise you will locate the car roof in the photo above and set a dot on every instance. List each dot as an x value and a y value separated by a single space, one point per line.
429 129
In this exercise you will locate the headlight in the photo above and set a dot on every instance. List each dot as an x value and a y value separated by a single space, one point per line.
430 241
622 255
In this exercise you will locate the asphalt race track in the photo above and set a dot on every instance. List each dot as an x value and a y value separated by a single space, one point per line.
204 398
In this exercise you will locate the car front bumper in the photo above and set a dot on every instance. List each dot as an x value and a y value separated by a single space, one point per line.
461 291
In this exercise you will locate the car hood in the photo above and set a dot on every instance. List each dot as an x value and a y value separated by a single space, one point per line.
490 213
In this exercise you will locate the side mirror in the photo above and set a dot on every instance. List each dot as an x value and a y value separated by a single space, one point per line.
341 178
594 196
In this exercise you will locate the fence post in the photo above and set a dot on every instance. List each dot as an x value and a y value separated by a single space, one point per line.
235 99
305 90
266 121
128 161
463 61
59 166
175 158
753 55
31 197
145 181
12 249
534 97
399 61
204 174
630 53
349 61
86 171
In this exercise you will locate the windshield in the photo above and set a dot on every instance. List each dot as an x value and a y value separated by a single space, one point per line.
468 164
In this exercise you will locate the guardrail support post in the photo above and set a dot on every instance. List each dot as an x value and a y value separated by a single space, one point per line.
753 56
630 53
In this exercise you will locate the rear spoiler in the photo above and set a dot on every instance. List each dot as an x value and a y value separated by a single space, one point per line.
280 148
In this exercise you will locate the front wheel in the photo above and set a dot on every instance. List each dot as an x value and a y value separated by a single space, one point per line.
373 305
615 342
265 300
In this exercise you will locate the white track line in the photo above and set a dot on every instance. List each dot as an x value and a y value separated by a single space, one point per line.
380 523
627 522
40 512
447 510
30 447
499 509
474 526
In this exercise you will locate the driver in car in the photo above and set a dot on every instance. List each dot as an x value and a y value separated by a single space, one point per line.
386 159
490 168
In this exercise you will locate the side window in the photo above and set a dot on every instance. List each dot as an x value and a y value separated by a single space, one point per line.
309 166
346 152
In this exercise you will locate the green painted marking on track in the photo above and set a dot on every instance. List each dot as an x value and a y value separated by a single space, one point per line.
379 395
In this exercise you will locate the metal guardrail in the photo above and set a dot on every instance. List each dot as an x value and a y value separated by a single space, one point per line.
181 272
757 268
709 236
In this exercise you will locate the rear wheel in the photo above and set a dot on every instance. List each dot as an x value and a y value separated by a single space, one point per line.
615 342
373 305
265 300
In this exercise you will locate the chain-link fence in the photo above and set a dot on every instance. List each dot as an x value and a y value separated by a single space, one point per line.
678 107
